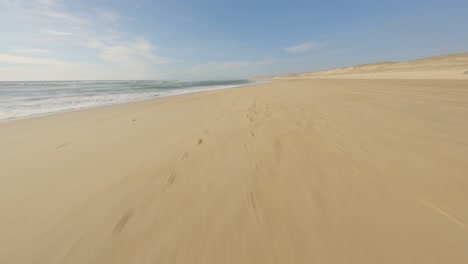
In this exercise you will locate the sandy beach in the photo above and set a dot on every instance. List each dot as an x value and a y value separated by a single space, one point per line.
293 171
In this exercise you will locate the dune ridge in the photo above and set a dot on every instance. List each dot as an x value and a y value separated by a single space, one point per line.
453 66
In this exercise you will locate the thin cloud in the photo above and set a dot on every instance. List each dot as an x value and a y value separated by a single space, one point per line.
58 33
302 48
42 8
62 16
31 60
122 54
107 15
32 51
31 4
48 2
111 45
128 53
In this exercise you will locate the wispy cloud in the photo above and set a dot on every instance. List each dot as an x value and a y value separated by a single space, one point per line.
58 33
42 8
116 51
32 51
36 4
302 48
31 60
128 53
47 2
63 16
13 68
107 14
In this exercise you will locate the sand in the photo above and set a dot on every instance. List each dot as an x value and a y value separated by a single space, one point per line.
294 171
446 67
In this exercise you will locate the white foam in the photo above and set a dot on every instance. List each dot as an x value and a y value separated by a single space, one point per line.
21 105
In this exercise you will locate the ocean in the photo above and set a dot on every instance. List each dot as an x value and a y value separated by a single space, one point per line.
30 98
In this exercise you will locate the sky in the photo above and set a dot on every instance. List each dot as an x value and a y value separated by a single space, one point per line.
218 39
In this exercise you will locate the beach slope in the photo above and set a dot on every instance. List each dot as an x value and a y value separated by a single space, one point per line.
293 171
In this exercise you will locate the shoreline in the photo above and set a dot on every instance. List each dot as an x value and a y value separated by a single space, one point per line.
254 82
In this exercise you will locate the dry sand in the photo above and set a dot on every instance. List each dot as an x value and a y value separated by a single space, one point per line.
295 171
449 67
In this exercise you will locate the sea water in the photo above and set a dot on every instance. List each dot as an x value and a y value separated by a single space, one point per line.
23 99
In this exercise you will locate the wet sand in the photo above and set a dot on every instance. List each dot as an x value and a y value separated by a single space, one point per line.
294 171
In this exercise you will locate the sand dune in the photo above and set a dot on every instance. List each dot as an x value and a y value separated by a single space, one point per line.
454 66
295 171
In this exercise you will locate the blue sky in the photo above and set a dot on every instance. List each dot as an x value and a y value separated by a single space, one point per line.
208 39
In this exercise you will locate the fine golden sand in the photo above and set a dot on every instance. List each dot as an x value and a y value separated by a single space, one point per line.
294 171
